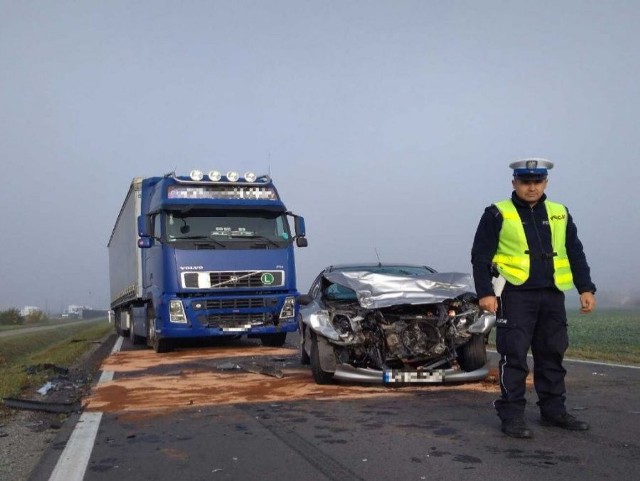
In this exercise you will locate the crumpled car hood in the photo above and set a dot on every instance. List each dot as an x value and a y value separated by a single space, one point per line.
375 291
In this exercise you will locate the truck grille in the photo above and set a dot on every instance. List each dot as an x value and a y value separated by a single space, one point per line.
234 303
232 279
233 322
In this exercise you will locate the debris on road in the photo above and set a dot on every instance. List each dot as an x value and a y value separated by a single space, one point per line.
45 406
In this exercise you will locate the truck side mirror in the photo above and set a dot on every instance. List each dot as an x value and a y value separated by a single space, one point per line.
302 242
145 242
146 239
298 223
143 226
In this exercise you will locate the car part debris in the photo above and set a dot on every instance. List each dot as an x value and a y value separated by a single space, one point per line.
252 367
48 407
45 389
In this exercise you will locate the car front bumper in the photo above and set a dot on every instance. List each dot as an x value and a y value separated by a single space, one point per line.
345 372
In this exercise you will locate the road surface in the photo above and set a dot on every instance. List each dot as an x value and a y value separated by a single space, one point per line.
193 414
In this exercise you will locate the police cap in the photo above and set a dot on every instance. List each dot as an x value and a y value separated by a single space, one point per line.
530 169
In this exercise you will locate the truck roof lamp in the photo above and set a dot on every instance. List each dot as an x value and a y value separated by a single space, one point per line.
250 177
196 174
215 175
232 176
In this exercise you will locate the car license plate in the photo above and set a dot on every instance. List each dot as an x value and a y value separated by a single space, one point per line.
399 376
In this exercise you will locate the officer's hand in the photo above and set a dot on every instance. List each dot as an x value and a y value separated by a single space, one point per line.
489 303
587 302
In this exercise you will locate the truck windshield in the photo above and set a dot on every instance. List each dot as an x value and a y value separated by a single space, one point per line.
252 228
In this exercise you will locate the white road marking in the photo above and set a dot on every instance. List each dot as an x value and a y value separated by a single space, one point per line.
74 459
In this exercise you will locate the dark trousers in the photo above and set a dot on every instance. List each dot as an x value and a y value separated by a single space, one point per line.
531 318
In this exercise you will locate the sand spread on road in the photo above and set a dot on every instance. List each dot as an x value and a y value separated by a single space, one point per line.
147 382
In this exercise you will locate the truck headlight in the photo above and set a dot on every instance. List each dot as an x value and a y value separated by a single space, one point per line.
176 312
288 308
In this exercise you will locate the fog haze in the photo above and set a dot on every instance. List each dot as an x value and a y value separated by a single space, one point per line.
388 125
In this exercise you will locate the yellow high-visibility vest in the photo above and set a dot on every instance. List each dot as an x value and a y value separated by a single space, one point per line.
510 258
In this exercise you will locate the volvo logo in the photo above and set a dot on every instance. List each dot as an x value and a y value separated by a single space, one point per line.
234 279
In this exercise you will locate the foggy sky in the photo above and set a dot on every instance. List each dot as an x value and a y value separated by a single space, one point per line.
389 125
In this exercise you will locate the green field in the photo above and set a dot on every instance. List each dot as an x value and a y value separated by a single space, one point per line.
606 335
609 335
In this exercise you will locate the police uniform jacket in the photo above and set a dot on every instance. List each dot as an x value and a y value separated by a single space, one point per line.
538 233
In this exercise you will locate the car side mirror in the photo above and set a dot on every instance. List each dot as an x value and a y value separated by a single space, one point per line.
305 299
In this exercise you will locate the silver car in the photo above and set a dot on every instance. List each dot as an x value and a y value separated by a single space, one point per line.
393 323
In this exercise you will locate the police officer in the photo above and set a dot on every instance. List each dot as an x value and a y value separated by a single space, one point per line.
532 246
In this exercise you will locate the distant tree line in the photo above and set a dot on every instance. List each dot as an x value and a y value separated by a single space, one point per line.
12 317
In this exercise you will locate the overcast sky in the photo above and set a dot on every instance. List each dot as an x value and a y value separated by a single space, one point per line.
389 125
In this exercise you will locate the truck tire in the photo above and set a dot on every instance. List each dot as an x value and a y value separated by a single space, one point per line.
159 345
135 339
118 323
274 340
473 355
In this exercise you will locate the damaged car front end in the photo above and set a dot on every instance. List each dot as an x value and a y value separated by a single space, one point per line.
387 324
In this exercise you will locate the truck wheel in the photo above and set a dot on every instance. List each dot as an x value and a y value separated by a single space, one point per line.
305 360
473 355
118 324
274 340
135 339
158 345
162 345
319 375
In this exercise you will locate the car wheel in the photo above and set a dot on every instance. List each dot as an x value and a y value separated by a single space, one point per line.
473 355
274 340
319 375
305 360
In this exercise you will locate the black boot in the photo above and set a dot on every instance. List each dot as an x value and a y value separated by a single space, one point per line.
564 421
516 428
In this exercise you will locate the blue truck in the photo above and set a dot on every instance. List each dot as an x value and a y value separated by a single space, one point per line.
204 255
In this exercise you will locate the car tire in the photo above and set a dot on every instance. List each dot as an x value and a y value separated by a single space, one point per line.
473 355
305 360
319 375
274 340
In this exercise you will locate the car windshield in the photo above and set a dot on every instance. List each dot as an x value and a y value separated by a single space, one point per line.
227 226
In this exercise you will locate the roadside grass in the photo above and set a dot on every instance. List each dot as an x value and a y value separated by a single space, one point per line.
45 322
607 335
61 347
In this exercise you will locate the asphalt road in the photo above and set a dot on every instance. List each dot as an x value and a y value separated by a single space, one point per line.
190 414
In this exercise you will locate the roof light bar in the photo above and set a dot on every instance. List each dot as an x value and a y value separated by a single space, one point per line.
196 174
